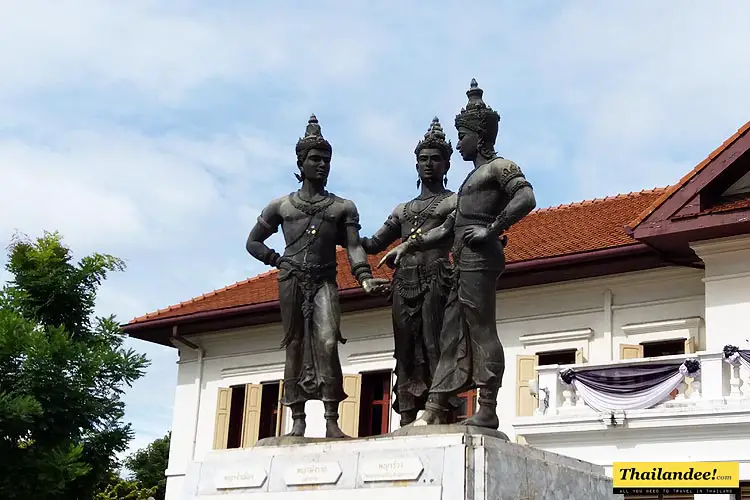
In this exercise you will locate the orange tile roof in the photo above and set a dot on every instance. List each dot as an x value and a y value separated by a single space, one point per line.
728 206
566 229
669 192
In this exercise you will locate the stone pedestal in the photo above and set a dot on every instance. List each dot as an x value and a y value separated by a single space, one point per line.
428 463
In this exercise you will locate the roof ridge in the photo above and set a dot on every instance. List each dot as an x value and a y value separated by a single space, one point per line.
204 296
674 188
590 201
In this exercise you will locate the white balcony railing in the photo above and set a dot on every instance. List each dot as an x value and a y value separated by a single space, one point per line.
717 384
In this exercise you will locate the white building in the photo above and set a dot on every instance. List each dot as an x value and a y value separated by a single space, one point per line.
636 279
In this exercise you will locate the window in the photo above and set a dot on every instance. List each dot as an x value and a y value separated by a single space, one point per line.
236 411
657 348
247 413
269 410
526 365
744 493
562 357
375 404
663 348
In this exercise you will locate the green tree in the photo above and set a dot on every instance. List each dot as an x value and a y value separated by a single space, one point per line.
62 374
147 466
126 489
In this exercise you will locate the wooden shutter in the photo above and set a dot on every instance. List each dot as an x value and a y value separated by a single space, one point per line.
631 351
349 408
525 371
690 345
251 414
744 491
221 422
280 411
579 356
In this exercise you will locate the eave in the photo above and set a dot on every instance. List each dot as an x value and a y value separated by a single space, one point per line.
614 260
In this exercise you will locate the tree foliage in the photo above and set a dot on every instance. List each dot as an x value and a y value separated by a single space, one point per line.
148 465
62 374
126 489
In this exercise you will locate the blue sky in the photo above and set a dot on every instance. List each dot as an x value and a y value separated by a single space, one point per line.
157 130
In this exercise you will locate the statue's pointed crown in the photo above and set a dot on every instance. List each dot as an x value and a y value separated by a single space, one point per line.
435 138
313 127
313 138
477 114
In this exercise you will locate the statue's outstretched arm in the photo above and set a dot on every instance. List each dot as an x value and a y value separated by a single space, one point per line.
387 234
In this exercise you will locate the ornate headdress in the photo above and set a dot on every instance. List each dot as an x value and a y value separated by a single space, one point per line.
477 116
435 138
313 139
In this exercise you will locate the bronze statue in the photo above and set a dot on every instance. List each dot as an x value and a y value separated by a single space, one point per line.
313 222
494 196
421 281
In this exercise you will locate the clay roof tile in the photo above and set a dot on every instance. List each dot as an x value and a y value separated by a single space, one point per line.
549 232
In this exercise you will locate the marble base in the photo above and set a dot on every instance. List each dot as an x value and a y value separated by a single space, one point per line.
424 463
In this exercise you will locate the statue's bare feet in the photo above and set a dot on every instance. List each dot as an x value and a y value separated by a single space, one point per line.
333 430
483 418
298 428
428 418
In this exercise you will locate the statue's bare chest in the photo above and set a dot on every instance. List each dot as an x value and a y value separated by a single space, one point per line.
323 215
421 215
479 192
478 180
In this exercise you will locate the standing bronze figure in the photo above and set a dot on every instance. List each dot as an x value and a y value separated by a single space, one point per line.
313 222
494 196
421 281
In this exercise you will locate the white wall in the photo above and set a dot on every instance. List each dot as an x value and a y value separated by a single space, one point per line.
603 305
727 285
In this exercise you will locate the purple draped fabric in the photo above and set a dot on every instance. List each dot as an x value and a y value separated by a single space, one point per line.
623 379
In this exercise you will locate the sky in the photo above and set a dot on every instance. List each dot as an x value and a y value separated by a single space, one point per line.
157 130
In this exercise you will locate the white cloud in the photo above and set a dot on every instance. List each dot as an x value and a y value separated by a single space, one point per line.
644 84
168 50
105 187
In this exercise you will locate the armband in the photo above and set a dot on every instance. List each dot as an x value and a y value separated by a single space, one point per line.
517 187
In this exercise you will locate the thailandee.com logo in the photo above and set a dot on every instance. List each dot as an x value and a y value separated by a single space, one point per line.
634 478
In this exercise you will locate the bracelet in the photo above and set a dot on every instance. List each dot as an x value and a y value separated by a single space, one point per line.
272 258
361 272
275 259
500 224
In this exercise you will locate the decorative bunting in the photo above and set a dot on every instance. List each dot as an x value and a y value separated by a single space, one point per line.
634 387
736 356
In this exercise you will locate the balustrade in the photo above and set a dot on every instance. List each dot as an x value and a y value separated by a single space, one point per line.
715 383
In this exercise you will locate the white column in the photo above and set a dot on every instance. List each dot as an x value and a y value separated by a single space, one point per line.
713 377
608 323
